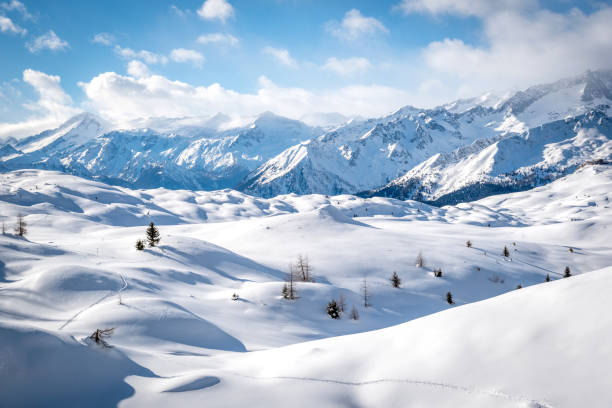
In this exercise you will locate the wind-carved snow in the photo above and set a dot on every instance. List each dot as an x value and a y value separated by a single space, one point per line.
180 339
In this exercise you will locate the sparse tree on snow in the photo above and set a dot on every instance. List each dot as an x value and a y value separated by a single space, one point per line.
571 250
506 252
341 303
140 244
547 278
289 290
332 310
567 273
100 336
365 292
519 286
235 297
437 272
152 235
20 227
449 298
354 313
420 260
304 270
468 244
395 280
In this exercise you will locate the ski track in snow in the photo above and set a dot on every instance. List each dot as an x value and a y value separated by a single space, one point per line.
443 385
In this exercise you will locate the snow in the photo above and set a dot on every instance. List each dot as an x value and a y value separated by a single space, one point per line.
180 339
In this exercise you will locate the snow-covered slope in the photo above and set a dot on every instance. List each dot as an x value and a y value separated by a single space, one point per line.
181 153
369 154
511 163
179 339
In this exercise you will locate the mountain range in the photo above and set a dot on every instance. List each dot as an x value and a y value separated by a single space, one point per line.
461 151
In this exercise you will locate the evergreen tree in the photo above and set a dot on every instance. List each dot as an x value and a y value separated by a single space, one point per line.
468 244
519 286
567 272
152 235
437 272
285 291
332 310
395 280
365 292
140 244
547 278
235 297
289 291
506 252
449 298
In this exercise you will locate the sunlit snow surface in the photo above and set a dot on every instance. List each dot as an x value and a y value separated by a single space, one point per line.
180 339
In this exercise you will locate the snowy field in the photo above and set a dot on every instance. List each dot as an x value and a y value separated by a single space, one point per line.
181 340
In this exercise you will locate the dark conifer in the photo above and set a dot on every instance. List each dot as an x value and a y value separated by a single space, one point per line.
152 235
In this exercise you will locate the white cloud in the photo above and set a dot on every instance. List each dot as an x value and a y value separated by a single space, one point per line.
348 66
104 39
185 55
144 55
122 98
138 69
7 26
216 9
354 25
463 7
217 38
282 55
52 108
18 6
49 41
526 48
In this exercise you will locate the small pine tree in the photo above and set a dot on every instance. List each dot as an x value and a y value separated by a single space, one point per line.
468 244
235 297
395 280
20 227
354 313
365 292
571 250
506 252
449 298
285 291
519 286
567 272
437 272
332 310
153 235
3 228
547 278
420 260
291 292
140 244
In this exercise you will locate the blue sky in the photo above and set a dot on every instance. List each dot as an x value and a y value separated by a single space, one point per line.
127 59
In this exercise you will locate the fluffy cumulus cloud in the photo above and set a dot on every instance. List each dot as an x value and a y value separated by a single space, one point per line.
348 66
104 39
15 5
354 25
281 55
217 38
121 98
524 48
138 69
52 107
143 55
183 55
7 26
47 41
463 7
216 10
